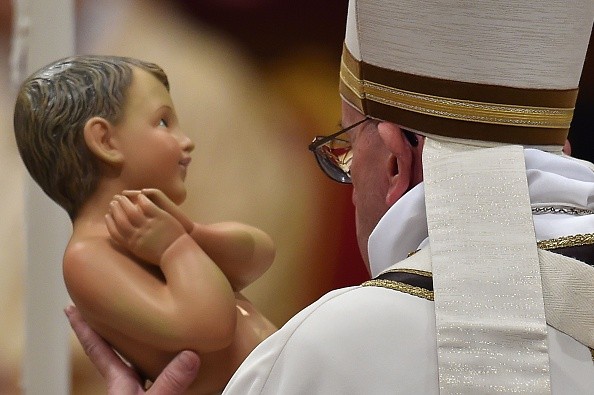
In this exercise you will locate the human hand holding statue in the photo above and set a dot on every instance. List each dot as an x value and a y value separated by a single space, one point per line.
121 378
146 227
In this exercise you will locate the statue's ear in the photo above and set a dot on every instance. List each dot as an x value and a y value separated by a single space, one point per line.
98 134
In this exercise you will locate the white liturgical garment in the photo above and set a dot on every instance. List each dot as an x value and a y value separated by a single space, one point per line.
375 340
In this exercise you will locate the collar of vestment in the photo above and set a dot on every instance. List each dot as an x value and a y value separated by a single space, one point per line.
561 192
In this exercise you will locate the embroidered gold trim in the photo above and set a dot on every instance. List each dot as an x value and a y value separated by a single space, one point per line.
412 253
398 286
566 241
466 110
423 273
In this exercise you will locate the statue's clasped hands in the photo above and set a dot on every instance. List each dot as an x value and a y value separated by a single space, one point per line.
142 222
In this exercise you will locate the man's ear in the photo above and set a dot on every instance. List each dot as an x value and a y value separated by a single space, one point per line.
400 163
98 134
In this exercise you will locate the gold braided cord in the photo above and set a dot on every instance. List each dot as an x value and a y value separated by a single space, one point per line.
465 110
567 241
418 272
402 287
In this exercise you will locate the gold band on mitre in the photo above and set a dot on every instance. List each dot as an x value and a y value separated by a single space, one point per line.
458 109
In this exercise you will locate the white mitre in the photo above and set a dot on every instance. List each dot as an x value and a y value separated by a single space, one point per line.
494 71
481 80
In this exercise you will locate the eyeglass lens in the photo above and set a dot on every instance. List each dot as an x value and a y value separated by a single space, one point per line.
334 159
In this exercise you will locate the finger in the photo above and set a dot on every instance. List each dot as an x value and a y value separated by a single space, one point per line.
131 210
121 220
152 192
159 198
113 230
148 207
156 196
164 203
98 351
131 194
177 375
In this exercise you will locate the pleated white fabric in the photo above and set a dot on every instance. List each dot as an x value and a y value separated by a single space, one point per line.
568 295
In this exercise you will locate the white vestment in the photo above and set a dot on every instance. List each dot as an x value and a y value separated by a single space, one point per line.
375 340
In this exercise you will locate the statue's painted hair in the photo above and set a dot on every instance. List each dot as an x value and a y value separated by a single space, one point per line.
52 108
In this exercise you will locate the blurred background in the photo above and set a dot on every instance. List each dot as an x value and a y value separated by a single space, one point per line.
253 82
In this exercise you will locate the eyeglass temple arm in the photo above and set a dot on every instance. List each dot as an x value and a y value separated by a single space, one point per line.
318 141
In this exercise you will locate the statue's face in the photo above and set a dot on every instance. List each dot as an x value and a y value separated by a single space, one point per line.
156 153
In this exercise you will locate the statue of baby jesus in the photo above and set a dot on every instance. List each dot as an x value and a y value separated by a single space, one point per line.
100 135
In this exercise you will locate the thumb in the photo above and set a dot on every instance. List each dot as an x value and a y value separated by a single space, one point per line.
177 375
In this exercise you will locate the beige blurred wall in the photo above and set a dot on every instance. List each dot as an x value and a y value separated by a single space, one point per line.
11 227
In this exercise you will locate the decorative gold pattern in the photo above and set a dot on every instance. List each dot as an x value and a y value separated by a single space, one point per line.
566 241
418 272
466 110
403 287
412 253
426 294
398 286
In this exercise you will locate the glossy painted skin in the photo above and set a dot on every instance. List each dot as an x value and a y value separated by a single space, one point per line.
384 167
157 152
145 277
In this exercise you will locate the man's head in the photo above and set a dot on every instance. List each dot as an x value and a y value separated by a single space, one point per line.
456 72
52 107
385 165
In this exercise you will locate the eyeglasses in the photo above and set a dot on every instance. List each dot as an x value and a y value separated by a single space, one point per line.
334 155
